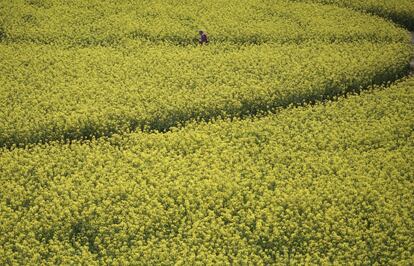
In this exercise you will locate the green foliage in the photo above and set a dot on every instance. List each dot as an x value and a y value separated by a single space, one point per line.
324 184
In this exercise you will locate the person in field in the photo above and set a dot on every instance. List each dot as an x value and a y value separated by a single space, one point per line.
203 38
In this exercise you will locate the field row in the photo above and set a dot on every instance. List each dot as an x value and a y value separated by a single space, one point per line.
399 11
329 183
47 93
80 23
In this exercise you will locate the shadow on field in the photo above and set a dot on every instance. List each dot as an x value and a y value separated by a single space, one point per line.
412 59
2 34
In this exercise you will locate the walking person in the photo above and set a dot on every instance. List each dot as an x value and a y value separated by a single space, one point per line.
203 38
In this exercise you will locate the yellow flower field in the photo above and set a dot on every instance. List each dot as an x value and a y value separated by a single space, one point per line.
329 183
287 140
103 77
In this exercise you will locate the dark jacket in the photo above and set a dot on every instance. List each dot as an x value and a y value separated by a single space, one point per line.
203 38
